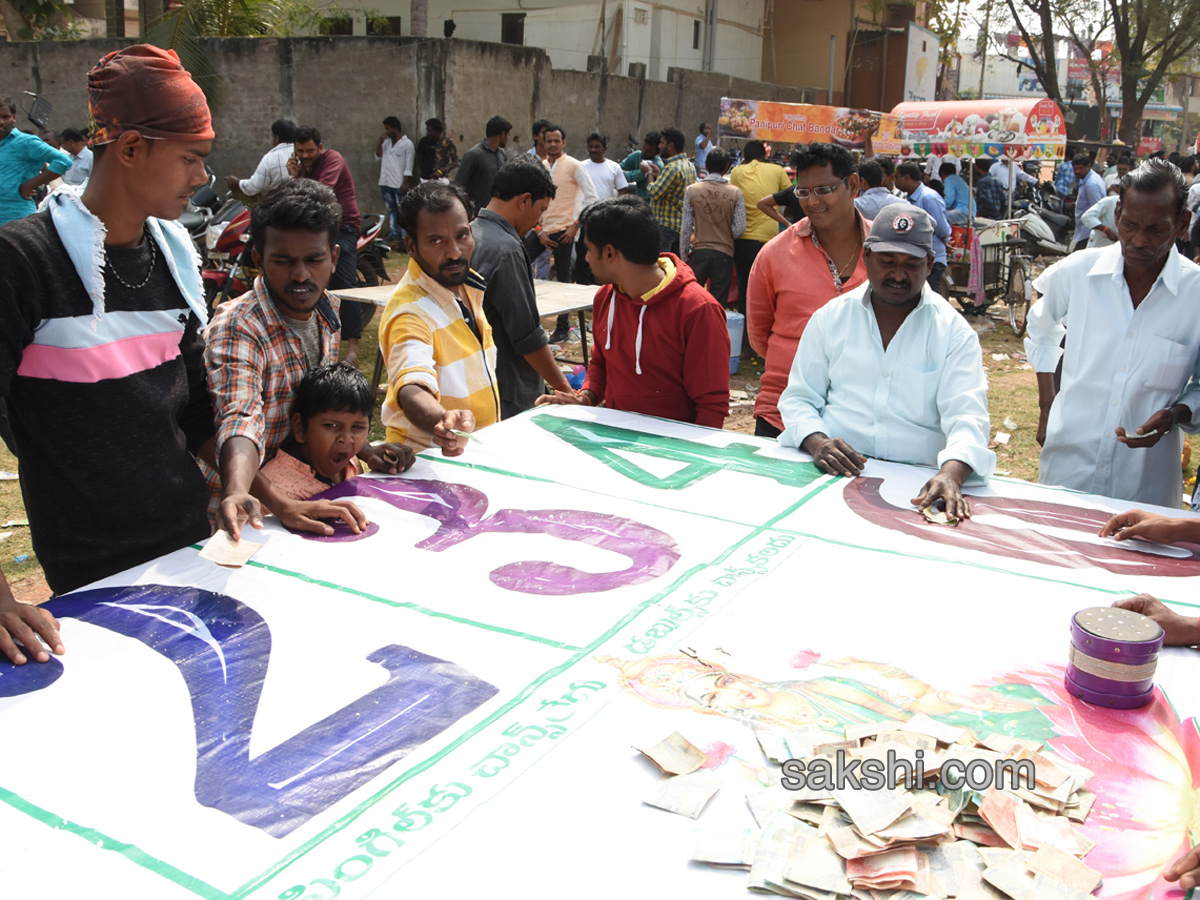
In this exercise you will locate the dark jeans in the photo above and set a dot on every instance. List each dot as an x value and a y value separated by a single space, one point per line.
391 202
583 272
935 277
716 267
346 276
744 253
668 240
763 428
5 429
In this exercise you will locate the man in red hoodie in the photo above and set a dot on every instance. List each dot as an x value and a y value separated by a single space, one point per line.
661 342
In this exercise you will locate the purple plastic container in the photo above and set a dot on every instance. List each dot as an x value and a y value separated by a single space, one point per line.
1113 655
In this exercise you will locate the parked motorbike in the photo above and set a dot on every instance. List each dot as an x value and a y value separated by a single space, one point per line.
1047 232
227 254
372 251
200 210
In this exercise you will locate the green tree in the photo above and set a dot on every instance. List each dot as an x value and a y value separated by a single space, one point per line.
31 20
1150 37
183 27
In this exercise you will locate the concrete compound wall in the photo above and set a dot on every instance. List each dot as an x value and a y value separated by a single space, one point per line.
346 85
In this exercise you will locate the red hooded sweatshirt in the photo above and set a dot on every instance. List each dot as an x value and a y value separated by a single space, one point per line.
665 353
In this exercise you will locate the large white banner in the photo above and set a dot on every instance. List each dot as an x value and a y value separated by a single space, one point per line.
921 64
446 705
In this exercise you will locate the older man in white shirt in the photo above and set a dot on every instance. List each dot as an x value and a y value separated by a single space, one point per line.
890 370
1132 352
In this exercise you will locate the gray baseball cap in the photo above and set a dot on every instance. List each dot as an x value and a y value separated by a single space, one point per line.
901 228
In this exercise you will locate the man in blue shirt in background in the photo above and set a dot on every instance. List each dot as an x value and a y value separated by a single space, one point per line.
23 161
958 195
908 179
1091 191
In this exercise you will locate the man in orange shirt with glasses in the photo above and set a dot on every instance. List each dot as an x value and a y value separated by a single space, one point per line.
803 268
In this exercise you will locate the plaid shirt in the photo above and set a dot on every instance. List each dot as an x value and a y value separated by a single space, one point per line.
1064 178
254 362
668 189
426 341
990 198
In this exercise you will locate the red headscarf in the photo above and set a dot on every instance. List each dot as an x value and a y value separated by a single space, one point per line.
145 89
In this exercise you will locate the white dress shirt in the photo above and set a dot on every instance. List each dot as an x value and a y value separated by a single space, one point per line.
1121 366
607 177
923 400
395 162
1000 170
272 170
1102 214
1193 203
81 168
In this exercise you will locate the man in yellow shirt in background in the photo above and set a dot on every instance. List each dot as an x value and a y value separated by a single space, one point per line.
435 338
757 178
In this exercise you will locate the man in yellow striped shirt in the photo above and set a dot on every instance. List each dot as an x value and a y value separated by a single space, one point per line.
434 336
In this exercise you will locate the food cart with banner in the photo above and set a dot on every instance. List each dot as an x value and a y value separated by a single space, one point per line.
804 123
1009 129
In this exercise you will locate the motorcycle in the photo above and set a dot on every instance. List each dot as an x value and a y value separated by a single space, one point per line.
372 251
1047 232
226 272
200 210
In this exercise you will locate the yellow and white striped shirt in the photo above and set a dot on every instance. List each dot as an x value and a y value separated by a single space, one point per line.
426 341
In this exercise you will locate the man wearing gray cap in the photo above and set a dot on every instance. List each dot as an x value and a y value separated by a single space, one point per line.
890 370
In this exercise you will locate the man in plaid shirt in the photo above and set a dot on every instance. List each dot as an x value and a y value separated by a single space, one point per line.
989 193
668 188
259 346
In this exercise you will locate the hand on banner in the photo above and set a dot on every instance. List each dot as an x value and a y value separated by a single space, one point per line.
566 398
834 455
23 624
309 515
236 510
1149 526
1185 870
389 459
946 485
1180 631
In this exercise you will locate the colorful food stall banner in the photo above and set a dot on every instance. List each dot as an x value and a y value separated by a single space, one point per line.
804 123
1017 129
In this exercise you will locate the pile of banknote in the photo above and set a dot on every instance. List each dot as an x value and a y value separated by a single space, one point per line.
953 815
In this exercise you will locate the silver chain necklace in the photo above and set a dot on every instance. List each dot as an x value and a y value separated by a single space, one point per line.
153 258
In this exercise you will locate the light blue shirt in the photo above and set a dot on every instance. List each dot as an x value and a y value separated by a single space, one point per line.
936 207
1091 192
702 152
958 195
873 200
22 156
923 400
81 168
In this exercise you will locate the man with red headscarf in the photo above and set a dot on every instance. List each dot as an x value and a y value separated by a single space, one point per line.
101 348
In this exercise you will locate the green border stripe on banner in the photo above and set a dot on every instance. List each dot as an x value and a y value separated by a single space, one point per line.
104 842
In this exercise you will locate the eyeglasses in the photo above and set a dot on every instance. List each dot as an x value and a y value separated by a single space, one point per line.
823 191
